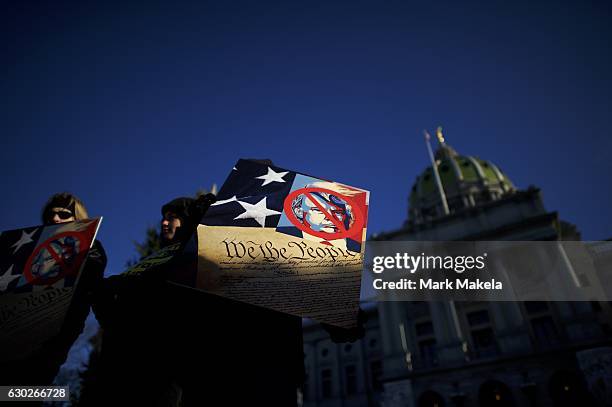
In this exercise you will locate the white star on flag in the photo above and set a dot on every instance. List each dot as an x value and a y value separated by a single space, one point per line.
224 201
259 211
6 278
24 239
272 176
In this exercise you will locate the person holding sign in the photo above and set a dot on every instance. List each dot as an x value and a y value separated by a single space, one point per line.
236 344
41 367
63 208
141 317
177 343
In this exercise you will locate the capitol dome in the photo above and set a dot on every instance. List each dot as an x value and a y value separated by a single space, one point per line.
467 181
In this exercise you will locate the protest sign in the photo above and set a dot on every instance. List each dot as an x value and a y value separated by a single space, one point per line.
39 271
286 241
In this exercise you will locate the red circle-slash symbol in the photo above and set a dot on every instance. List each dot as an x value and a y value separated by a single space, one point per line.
65 258
353 230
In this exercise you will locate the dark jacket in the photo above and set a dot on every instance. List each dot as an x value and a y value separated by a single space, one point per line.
232 353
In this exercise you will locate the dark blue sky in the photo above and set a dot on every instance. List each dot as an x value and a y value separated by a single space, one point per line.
130 105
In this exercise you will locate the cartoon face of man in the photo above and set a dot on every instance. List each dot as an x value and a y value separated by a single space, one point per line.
317 209
45 266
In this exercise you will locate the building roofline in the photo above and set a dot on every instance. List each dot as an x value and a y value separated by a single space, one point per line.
517 196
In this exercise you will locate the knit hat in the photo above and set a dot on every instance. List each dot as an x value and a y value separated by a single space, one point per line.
180 207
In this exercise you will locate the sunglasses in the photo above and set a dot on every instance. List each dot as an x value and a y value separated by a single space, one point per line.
61 214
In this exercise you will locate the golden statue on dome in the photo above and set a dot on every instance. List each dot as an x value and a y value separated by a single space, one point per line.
440 135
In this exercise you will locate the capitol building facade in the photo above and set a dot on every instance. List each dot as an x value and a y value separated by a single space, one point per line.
476 353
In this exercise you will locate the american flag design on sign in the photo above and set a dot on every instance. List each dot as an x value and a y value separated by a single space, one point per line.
264 196
38 257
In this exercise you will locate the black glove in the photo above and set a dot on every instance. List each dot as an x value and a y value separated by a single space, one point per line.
341 335
201 205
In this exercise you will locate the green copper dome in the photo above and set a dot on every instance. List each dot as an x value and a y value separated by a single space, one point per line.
467 181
